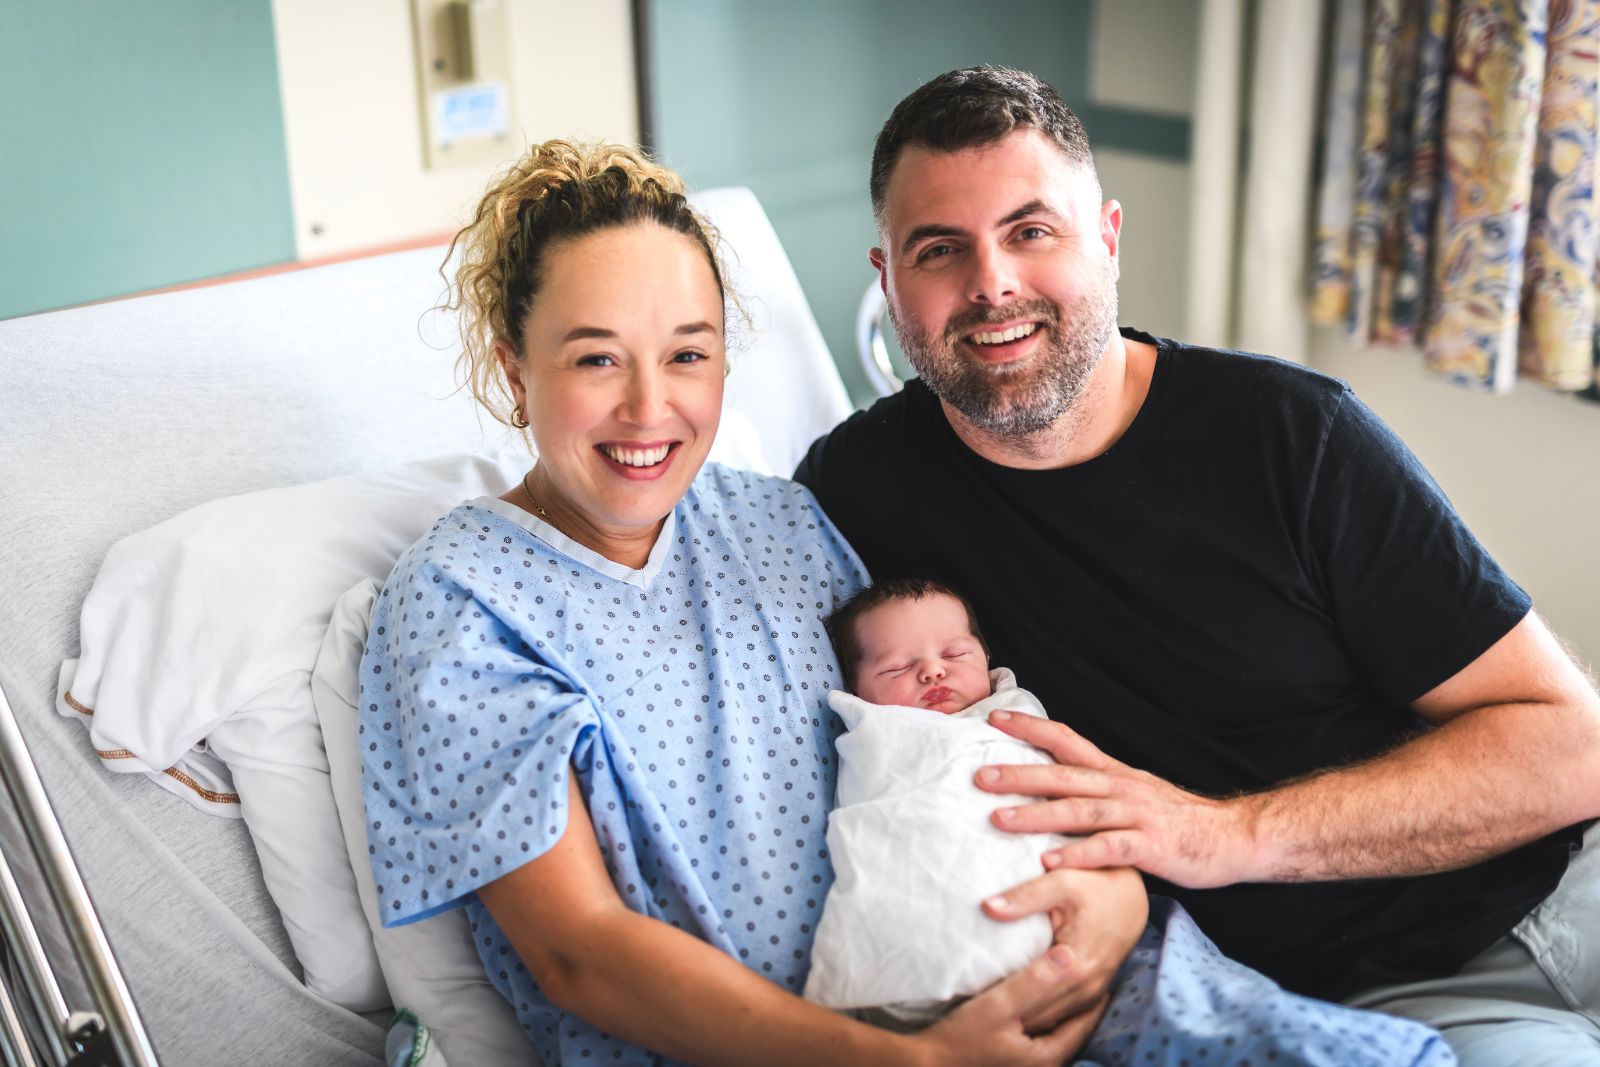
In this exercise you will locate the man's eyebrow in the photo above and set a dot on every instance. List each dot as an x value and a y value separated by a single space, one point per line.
1032 207
922 233
934 229
585 333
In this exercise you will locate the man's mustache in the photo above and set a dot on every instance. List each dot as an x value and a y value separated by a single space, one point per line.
970 321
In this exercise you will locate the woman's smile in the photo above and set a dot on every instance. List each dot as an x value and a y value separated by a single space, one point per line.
640 462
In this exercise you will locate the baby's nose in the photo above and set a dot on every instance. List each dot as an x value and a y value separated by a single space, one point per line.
932 670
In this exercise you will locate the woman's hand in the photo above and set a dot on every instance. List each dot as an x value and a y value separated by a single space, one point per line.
991 1029
1098 914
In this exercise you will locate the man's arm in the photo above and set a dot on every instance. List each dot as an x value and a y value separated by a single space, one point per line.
1514 754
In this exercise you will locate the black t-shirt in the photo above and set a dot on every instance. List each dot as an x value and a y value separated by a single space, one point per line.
1253 583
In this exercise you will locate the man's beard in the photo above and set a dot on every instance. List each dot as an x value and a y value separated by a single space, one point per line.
1011 400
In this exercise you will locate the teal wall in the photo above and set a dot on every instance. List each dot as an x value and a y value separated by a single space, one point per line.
787 98
141 145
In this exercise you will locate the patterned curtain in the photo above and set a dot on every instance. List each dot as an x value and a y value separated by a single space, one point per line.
1457 203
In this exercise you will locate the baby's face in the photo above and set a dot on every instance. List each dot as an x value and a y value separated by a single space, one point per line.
921 653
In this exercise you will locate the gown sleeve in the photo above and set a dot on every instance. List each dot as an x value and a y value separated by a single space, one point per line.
468 732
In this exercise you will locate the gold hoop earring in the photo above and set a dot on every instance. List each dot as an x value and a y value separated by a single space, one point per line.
518 419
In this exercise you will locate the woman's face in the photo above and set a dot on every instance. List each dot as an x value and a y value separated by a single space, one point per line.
621 378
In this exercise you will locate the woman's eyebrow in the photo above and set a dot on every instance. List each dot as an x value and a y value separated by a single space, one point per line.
586 333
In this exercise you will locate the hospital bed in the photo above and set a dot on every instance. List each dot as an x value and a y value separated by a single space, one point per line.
138 925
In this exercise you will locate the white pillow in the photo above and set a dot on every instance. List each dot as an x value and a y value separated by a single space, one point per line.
432 967
196 645
197 642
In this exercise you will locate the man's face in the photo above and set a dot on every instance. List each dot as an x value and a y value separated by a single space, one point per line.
1000 268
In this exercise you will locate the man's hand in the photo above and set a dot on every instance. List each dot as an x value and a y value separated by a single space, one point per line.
1098 915
1127 818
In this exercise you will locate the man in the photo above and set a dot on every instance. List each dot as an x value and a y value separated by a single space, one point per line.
1302 698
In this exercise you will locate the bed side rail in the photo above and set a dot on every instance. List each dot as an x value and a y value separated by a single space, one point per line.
109 1031
871 348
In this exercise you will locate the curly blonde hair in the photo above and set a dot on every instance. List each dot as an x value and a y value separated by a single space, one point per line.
558 192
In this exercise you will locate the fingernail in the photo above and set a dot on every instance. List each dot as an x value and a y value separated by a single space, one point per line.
999 716
989 774
1061 956
1006 814
998 903
1051 860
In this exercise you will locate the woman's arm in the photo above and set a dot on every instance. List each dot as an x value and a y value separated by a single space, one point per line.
657 986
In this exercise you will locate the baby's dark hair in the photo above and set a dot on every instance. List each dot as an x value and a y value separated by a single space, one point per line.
841 624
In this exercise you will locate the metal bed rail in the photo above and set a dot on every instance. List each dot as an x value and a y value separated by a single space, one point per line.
871 348
110 1032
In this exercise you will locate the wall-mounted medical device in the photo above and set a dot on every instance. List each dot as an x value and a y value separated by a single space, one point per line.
464 80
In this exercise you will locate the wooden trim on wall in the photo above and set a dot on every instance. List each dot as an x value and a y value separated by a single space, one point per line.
429 241
436 240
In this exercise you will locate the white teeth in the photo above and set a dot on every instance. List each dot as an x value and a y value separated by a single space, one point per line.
1000 337
638 457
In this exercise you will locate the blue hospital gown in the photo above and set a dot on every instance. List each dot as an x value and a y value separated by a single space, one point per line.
690 697
1179 1002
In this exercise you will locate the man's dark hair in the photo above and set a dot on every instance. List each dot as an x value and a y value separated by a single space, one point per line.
972 107
841 625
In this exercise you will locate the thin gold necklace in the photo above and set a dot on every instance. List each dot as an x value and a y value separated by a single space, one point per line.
526 488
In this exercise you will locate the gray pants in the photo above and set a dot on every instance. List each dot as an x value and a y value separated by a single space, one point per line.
1532 999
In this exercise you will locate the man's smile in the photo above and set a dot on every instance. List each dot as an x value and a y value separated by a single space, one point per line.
1001 335
1004 344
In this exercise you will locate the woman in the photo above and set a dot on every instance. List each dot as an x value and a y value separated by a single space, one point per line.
595 707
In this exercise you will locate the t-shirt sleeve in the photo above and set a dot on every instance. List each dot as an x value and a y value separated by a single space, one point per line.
806 472
1415 596
812 474
467 737
849 573
819 469
810 471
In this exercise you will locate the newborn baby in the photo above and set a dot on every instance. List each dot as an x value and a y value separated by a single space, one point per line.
913 848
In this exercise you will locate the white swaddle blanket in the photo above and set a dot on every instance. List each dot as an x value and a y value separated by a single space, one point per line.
914 855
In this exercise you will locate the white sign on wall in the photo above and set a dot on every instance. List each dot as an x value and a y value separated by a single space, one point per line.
481 110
